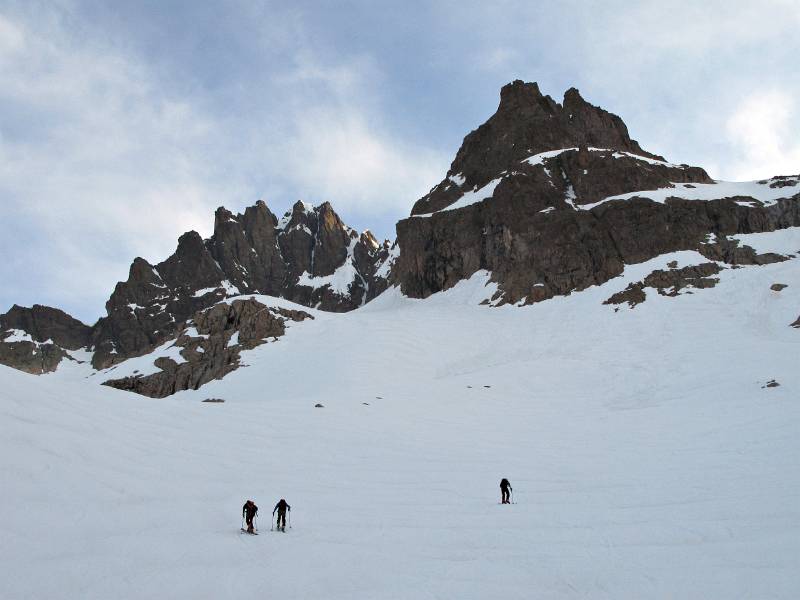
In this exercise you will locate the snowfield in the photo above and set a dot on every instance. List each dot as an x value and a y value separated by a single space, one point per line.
647 458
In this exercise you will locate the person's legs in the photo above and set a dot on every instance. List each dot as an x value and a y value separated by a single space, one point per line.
249 524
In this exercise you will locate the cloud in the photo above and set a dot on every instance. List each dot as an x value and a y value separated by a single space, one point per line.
762 130
101 161
97 164
339 146
337 154
498 59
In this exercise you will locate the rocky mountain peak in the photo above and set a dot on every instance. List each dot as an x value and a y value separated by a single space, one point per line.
528 124
519 97
552 198
142 271
368 239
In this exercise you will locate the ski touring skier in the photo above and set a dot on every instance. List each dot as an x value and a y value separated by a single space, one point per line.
249 512
281 507
505 491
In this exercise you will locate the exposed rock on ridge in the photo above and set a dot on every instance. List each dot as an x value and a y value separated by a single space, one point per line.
36 339
210 346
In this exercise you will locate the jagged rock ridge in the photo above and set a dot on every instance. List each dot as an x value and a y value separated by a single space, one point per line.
309 257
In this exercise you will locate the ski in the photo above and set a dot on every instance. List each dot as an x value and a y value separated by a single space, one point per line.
243 530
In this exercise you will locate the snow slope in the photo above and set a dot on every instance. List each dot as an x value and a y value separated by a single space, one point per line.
646 457
760 191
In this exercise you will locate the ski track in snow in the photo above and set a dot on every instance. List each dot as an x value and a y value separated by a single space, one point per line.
646 459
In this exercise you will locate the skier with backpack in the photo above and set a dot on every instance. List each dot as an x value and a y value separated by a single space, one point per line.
281 507
505 491
249 512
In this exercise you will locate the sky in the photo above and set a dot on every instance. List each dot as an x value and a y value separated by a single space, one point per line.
124 124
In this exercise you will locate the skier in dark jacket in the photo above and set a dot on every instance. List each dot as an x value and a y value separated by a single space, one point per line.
281 507
249 511
505 491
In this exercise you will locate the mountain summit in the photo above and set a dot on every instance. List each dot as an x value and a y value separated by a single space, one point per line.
551 198
545 199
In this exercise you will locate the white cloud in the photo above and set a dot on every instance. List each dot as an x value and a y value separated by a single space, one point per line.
762 130
499 59
100 163
11 38
339 156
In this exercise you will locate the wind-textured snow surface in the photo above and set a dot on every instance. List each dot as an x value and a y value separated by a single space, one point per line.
646 457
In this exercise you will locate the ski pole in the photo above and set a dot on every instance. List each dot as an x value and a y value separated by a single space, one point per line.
290 519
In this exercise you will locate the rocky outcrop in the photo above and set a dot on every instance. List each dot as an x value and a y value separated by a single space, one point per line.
44 323
31 357
36 339
210 347
668 283
527 198
730 251
330 266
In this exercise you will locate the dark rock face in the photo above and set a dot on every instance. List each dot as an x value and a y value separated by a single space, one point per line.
211 347
43 323
310 257
668 283
31 357
519 199
534 256
316 245
48 334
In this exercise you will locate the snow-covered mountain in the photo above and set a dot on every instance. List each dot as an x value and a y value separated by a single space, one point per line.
648 454
616 334
547 198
